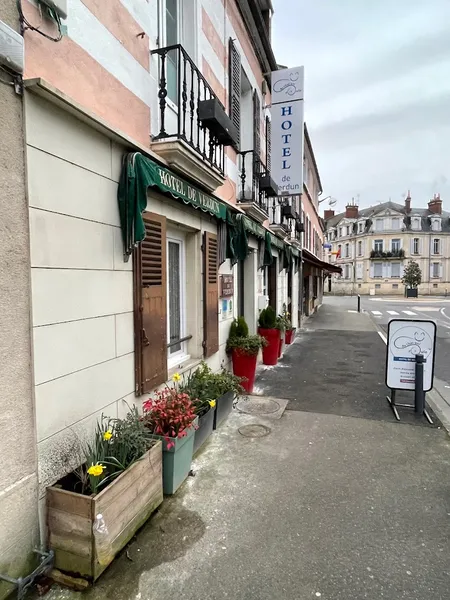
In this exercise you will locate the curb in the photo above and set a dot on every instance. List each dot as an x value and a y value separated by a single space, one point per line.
438 404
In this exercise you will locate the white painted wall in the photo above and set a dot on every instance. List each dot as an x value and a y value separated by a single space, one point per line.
81 289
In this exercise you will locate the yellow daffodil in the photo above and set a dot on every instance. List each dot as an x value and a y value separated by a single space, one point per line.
176 377
212 403
96 470
107 435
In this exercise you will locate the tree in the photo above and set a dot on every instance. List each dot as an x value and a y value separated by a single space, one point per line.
412 276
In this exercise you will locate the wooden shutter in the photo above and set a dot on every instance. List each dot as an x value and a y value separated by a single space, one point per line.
256 125
210 295
234 84
150 286
268 144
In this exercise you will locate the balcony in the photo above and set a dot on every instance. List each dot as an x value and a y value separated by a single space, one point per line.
390 255
282 216
193 125
256 186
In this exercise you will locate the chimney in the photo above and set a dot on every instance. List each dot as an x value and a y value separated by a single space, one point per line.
328 214
351 211
408 203
435 205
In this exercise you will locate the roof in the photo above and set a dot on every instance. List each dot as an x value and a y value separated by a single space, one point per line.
372 211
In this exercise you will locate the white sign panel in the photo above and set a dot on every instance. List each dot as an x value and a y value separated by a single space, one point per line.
406 339
287 130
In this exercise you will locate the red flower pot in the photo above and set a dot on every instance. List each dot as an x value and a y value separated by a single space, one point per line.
289 335
244 365
270 352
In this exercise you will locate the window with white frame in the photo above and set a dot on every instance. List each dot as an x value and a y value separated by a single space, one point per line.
395 269
347 271
436 224
340 231
360 248
379 225
378 269
177 26
347 250
395 223
395 245
378 245
436 269
436 246
176 298
416 246
415 223
360 227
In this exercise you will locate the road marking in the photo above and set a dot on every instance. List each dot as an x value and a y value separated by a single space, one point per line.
383 337
444 314
426 308
410 313
376 312
392 312
352 311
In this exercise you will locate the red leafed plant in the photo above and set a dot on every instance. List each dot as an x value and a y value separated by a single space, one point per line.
169 414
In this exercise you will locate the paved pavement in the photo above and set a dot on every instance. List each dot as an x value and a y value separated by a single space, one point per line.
324 506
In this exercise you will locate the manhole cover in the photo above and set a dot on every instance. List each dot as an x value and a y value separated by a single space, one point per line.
254 431
263 406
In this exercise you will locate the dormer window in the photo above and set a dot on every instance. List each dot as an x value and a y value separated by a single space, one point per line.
360 227
436 224
415 223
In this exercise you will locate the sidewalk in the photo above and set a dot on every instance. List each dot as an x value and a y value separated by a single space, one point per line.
325 505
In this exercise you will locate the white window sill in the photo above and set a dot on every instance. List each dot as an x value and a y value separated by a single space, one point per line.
184 365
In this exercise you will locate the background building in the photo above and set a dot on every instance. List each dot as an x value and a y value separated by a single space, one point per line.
373 246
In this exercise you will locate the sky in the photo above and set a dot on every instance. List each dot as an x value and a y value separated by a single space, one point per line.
377 94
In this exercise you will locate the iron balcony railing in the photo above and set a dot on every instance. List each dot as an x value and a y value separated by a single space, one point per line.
278 207
252 169
392 254
181 88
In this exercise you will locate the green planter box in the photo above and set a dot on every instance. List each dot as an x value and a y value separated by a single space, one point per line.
224 405
177 460
205 429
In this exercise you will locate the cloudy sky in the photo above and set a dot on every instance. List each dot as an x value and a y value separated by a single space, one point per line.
377 93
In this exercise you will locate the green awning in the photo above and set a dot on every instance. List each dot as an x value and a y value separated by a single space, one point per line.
140 173
254 228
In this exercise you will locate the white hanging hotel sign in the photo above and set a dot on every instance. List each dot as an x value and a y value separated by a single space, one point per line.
287 130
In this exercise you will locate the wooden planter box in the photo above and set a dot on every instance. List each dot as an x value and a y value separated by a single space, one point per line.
125 504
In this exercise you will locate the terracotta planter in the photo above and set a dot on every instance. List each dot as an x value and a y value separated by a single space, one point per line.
126 503
244 365
289 335
271 351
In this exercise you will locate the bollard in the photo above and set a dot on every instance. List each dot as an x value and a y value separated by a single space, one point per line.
359 303
419 394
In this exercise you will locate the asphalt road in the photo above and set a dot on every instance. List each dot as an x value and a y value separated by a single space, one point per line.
382 310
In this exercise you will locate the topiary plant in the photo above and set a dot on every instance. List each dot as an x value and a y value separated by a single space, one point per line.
267 318
239 328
